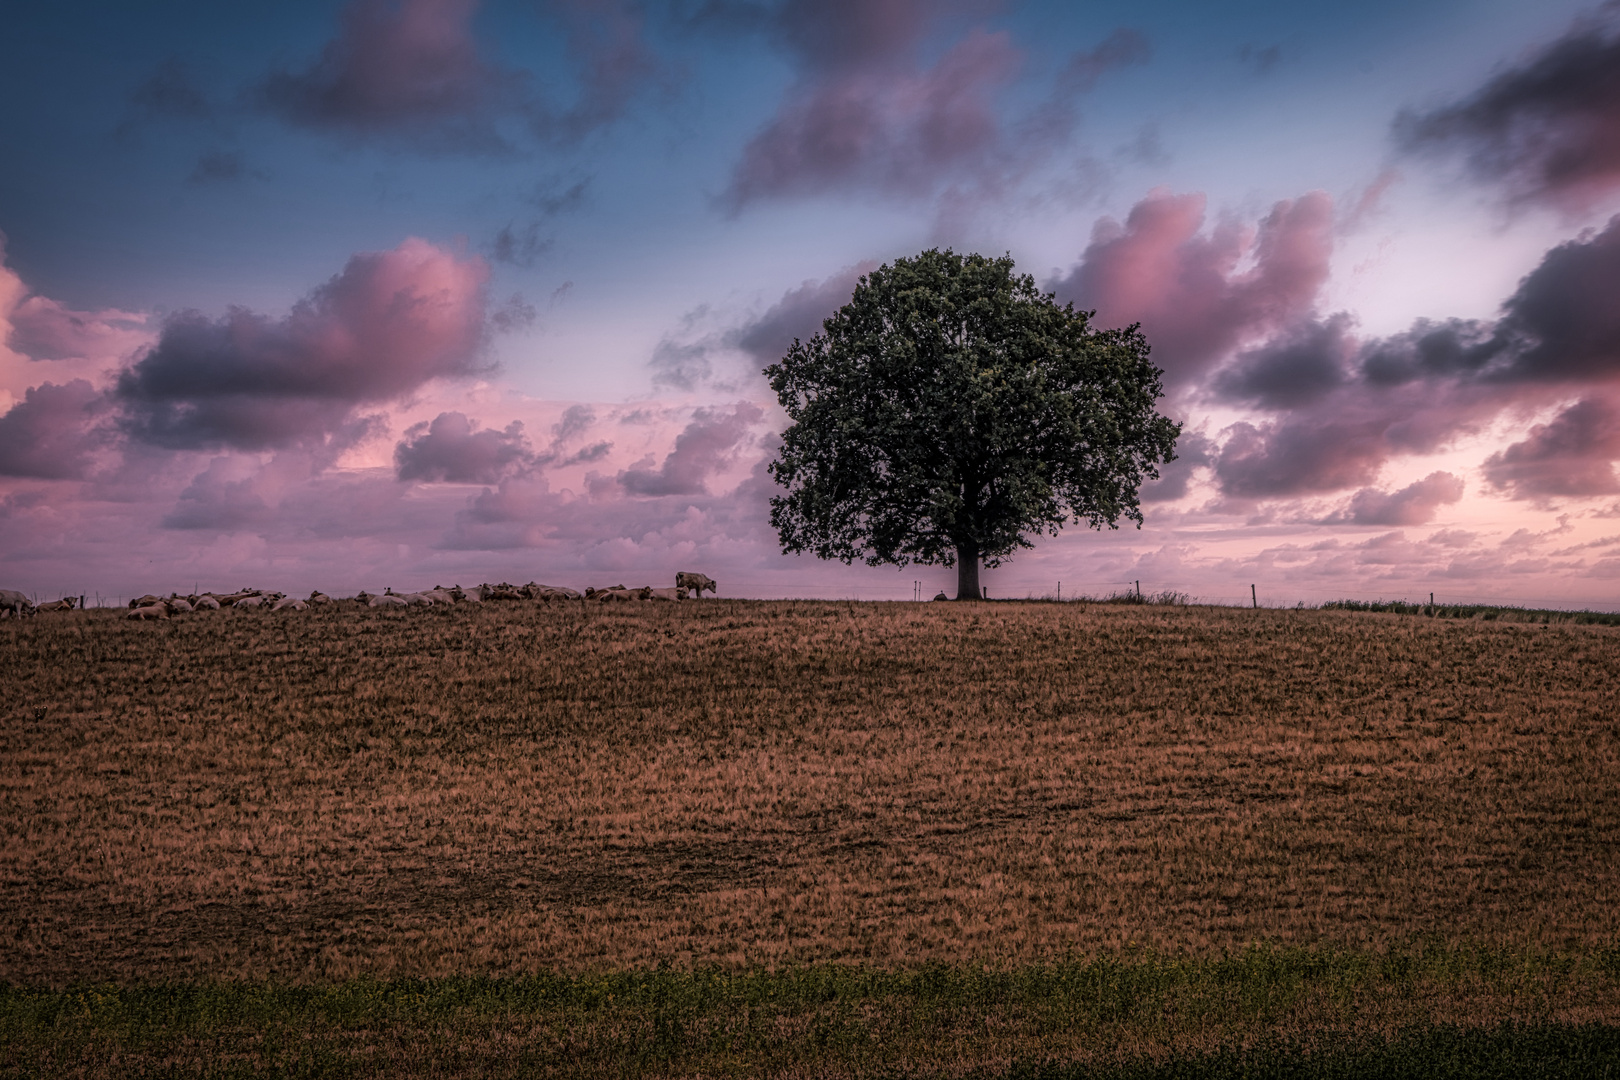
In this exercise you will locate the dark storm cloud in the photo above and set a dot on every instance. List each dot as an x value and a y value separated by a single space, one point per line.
1547 129
1565 315
1301 365
388 323
1300 456
52 433
1573 454
1561 325
707 445
454 449
1342 409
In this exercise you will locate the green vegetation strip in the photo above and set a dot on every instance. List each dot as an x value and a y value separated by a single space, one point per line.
1481 612
1262 1013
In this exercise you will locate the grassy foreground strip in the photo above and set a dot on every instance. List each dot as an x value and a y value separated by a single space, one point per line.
1260 1013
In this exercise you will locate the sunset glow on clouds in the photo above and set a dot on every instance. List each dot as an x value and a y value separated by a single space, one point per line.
396 293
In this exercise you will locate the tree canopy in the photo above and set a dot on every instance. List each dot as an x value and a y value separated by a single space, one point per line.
951 410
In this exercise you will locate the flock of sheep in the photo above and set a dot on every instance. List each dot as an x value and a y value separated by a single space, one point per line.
16 604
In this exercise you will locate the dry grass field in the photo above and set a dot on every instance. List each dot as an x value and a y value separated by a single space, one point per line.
747 787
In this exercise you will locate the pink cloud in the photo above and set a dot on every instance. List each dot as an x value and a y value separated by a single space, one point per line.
1415 504
709 443
1573 454
390 322
454 449
45 329
218 499
891 130
53 433
1185 286
1297 457
871 111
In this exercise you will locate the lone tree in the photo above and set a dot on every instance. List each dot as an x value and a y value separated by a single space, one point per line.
950 409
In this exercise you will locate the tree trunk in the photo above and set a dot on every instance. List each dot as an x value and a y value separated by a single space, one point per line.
967 572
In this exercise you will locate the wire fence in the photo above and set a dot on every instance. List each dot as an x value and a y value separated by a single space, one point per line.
1254 594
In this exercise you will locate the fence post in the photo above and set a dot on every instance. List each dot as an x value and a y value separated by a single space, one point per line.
1139 590
1254 597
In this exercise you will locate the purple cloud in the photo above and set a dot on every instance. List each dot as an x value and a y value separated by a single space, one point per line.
1548 129
1194 451
799 314
892 130
1300 365
53 433
408 67
870 111
45 329
1573 454
390 322
612 61
217 500
708 444
1187 288
1415 504
1122 48
1300 456
453 449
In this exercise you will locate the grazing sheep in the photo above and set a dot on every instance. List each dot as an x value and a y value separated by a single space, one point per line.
150 611
205 603
686 579
16 603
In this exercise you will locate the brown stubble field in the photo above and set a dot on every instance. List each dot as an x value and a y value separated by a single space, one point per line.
742 785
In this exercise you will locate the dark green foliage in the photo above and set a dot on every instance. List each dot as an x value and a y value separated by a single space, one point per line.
950 410
1482 612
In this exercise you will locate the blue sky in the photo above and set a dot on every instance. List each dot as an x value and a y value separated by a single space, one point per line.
632 199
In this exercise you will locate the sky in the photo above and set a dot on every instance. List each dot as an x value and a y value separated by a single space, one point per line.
395 293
